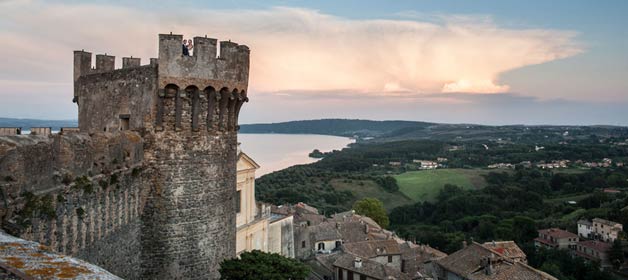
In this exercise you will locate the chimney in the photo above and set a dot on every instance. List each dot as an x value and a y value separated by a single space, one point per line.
488 269
357 263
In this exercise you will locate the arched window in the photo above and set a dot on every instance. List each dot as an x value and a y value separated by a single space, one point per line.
321 246
169 91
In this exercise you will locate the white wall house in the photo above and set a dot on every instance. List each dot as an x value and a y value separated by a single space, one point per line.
585 229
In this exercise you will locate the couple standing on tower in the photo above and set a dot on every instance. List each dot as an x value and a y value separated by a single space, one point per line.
187 47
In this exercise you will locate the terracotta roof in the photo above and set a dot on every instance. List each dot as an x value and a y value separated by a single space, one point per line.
351 216
353 231
325 231
545 241
558 233
467 263
596 245
373 248
508 249
467 260
416 257
370 268
512 271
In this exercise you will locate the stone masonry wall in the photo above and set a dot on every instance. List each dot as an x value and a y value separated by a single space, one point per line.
190 207
106 98
80 195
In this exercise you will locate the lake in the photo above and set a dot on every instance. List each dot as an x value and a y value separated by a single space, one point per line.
278 151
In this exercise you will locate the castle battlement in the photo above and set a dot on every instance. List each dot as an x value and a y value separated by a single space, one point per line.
146 185
199 92
227 66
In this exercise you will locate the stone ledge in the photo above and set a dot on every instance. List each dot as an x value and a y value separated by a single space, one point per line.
30 260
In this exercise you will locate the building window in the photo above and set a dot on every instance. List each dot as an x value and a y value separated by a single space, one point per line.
390 259
349 275
362 277
321 246
238 201
303 244
124 121
340 275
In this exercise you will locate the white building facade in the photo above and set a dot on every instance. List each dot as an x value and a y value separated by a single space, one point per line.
257 228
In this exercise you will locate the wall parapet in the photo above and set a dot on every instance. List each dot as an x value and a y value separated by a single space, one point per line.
37 163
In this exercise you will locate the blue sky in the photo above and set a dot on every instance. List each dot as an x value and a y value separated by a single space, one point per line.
493 62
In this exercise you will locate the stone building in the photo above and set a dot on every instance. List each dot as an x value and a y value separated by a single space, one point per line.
479 262
377 259
147 185
556 238
257 227
594 250
605 230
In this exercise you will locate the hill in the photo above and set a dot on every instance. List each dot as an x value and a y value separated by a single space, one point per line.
26 124
386 131
337 127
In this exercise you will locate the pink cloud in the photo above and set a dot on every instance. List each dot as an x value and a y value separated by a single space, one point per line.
292 49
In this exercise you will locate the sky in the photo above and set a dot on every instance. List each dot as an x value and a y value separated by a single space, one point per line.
453 61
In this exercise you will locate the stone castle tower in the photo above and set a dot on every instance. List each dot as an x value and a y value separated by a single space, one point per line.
186 110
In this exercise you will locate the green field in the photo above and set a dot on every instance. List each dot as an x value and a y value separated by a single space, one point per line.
368 188
424 185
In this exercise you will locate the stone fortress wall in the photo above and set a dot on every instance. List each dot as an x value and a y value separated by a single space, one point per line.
146 188
78 194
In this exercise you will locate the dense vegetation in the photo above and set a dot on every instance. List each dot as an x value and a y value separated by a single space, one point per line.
374 209
338 127
412 130
260 265
509 204
367 163
562 265
512 207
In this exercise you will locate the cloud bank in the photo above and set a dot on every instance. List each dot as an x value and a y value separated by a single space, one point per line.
292 49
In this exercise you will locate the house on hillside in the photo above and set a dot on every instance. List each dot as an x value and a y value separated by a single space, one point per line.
477 262
594 250
377 259
426 164
556 238
585 229
606 230
386 252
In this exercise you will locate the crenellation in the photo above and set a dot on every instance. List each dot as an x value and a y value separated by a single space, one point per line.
129 62
205 49
105 63
82 65
145 186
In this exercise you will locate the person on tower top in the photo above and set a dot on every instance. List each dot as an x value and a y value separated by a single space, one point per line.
186 52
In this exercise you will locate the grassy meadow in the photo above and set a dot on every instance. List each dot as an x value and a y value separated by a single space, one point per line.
424 185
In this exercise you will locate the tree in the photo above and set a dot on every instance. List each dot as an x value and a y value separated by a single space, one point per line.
260 265
388 183
372 208
616 254
523 229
